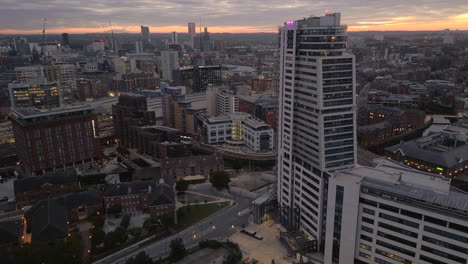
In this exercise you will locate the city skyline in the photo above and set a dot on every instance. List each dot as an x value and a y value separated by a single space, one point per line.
224 17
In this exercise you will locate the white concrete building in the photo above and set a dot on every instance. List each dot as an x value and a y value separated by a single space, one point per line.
226 103
395 214
317 118
239 129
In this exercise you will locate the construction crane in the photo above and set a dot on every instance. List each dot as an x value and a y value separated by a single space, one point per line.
44 24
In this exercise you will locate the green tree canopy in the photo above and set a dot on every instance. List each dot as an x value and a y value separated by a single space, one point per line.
220 179
182 185
140 258
178 250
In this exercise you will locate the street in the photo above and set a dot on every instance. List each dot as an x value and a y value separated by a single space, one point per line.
218 225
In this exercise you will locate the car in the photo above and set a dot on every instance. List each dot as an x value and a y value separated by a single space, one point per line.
4 199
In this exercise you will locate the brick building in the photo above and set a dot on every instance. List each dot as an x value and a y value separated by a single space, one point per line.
31 189
261 85
157 199
192 165
264 107
57 139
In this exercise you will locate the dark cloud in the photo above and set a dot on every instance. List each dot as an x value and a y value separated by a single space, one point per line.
28 14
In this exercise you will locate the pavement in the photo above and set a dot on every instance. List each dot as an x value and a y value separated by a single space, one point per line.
215 226
265 250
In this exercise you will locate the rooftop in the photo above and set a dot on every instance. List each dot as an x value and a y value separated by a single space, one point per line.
427 189
443 149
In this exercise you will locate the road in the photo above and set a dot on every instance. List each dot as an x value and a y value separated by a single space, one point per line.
218 225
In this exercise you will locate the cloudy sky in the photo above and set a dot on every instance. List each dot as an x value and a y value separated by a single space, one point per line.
82 16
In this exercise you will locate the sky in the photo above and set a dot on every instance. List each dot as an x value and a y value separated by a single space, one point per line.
233 16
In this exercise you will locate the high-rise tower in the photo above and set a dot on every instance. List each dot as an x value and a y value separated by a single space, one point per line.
145 34
317 118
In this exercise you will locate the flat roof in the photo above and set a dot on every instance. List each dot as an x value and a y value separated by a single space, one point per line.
33 112
429 189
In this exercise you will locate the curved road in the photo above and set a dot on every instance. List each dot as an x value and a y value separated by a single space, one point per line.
218 225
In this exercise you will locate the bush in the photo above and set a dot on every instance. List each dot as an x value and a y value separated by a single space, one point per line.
135 232
97 221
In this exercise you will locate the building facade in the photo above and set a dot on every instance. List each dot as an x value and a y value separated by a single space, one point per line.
55 140
130 111
239 129
317 118
198 78
395 214
34 93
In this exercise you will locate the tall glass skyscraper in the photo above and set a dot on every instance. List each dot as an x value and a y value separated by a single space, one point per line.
317 118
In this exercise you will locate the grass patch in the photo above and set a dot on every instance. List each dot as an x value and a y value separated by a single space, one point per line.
189 215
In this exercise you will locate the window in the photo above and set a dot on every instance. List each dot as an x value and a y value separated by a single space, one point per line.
399 220
367 220
398 230
367 229
367 238
396 239
368 211
367 247
389 208
445 244
435 221
337 224
396 248
443 254
446 234
411 214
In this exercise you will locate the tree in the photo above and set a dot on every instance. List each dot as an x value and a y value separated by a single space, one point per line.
116 237
237 164
182 185
135 232
140 258
178 250
220 179
125 222
97 221
115 210
97 237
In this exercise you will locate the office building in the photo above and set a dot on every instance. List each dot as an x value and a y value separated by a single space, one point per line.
131 110
261 85
65 40
134 82
395 214
178 112
198 78
239 129
55 140
219 45
36 93
145 34
122 65
444 153
174 38
139 46
263 106
169 63
27 73
87 89
227 102
316 119
191 30
191 34
64 74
